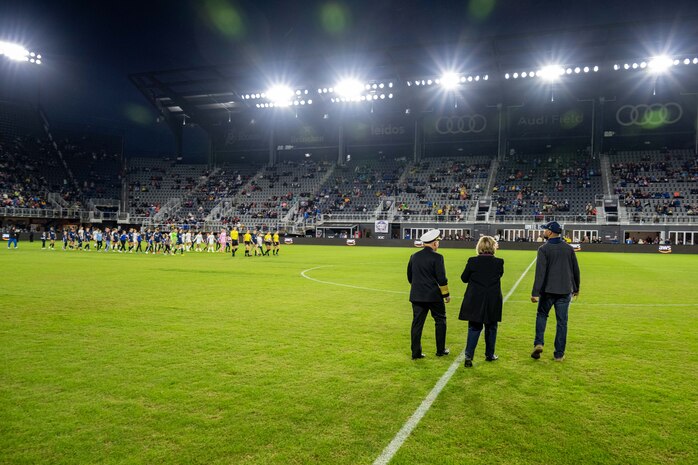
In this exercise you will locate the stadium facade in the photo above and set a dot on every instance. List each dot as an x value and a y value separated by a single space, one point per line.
523 133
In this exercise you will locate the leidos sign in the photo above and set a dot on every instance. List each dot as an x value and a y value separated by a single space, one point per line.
388 130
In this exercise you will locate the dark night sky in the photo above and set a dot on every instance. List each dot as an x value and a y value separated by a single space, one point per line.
90 47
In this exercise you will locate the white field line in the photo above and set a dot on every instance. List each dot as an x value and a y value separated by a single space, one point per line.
603 304
412 422
303 273
454 297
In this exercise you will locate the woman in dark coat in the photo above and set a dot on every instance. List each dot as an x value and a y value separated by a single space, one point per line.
482 303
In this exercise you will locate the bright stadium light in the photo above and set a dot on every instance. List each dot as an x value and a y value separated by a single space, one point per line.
14 52
660 64
349 88
280 95
449 80
551 72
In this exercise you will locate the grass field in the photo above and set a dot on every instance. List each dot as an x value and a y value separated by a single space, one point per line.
112 358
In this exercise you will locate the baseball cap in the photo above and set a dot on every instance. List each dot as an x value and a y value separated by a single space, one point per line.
553 226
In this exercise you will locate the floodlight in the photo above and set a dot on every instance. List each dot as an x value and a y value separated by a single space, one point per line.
516 75
506 76
695 61
430 82
523 75
349 88
626 66
280 95
660 64
616 67
596 69
14 51
686 61
449 80
586 69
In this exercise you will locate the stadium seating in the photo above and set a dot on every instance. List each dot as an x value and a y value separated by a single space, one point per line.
441 187
652 184
539 185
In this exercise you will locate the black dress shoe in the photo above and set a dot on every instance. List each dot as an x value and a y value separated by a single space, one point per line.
468 362
445 352
415 357
491 358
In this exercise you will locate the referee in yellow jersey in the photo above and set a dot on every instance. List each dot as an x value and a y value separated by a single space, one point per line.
247 239
234 240
275 242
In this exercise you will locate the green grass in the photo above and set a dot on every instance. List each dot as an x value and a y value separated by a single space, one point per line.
112 358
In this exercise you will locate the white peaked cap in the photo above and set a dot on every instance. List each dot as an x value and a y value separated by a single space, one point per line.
430 236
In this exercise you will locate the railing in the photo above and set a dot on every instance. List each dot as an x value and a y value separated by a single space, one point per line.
346 218
564 219
650 218
95 202
40 213
430 218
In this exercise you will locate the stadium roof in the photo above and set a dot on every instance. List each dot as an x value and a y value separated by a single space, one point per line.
213 94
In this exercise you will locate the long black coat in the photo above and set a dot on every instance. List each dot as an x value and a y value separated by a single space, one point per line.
482 302
427 275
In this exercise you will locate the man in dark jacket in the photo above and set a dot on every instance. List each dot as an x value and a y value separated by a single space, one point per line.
427 275
557 280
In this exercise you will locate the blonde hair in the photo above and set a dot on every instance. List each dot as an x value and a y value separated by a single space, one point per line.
486 244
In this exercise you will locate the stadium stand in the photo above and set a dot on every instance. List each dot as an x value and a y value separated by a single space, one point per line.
95 162
540 185
439 188
652 184
358 188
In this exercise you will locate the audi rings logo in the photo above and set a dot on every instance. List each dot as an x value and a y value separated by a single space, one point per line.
466 124
652 115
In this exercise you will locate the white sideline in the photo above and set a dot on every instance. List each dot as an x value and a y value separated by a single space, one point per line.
402 435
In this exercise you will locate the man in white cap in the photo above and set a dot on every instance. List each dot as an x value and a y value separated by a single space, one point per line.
427 275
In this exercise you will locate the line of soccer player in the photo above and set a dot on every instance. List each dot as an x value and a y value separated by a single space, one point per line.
149 241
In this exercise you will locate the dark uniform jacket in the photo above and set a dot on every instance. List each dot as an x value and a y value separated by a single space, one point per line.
427 274
557 270
482 302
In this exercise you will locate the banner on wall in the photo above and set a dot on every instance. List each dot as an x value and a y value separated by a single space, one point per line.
310 132
368 130
553 119
664 249
382 227
641 116
475 124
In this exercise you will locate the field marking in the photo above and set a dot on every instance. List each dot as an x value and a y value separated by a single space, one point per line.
303 273
402 435
585 304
